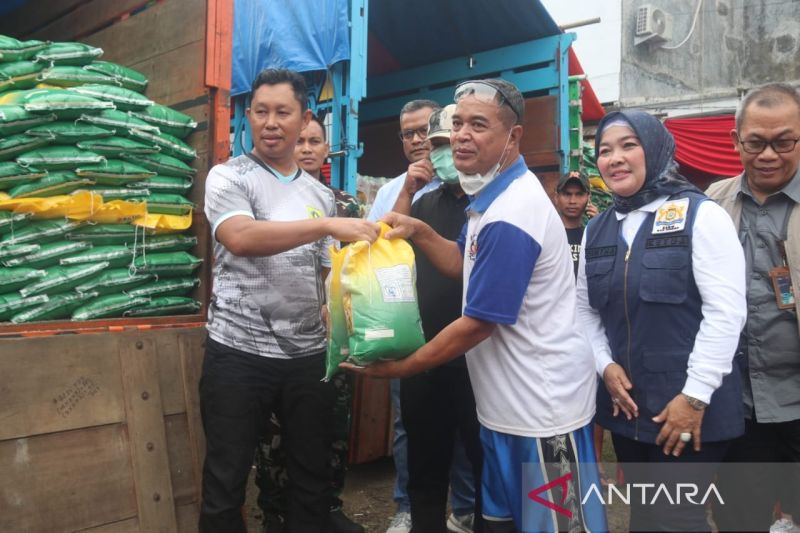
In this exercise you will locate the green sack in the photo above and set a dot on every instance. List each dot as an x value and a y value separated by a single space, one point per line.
120 193
59 158
67 76
164 184
171 264
59 102
166 287
60 279
11 175
12 279
168 144
14 50
102 234
115 147
126 77
116 255
49 254
122 122
59 306
68 54
11 147
123 99
41 231
114 172
19 75
69 132
18 250
336 322
380 300
165 306
168 120
113 281
165 243
14 119
164 165
169 204
12 304
57 183
107 306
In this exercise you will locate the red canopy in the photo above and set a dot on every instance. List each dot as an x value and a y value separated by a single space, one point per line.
704 144
592 110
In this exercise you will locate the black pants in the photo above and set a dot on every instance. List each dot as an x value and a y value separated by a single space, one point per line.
437 407
751 491
238 391
648 464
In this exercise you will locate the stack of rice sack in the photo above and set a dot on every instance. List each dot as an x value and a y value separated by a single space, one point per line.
94 218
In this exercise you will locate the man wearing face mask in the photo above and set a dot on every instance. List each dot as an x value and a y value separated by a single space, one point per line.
438 406
531 368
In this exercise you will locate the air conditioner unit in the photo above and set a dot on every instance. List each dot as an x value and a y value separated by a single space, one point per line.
653 25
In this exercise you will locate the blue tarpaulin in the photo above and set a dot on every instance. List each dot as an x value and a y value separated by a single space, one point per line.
300 35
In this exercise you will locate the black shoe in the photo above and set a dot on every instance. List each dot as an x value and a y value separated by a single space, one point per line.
273 523
340 523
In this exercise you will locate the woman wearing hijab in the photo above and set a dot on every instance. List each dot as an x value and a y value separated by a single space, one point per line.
661 291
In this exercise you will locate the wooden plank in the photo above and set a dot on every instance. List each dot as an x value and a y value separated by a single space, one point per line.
166 26
383 150
192 350
144 409
84 19
181 464
541 159
130 525
540 133
58 383
219 44
169 372
66 481
188 517
20 22
175 75
372 420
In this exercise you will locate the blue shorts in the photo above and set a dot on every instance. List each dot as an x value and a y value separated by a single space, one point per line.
539 482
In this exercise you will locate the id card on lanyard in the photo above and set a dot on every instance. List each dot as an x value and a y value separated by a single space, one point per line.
782 281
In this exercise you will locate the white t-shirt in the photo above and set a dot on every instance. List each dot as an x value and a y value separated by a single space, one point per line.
534 376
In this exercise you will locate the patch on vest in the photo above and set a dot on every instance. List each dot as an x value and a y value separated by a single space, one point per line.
666 242
671 216
603 251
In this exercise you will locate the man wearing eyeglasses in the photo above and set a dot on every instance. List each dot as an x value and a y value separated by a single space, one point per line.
763 204
531 367
407 188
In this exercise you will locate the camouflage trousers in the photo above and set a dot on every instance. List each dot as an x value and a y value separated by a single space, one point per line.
271 475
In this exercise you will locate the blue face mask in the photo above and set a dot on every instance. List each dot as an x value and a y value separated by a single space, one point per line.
442 159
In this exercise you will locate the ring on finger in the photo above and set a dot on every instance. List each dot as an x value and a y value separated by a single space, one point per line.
685 436
615 400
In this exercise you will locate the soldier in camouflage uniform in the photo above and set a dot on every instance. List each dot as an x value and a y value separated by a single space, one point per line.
271 477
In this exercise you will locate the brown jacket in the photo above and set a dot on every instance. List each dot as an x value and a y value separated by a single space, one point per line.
726 193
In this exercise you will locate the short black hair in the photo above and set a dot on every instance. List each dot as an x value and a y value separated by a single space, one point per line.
315 118
276 76
511 97
416 105
768 95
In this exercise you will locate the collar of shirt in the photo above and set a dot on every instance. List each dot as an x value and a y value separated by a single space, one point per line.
652 207
791 189
481 202
631 222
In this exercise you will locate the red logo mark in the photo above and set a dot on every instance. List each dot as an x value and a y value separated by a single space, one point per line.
562 482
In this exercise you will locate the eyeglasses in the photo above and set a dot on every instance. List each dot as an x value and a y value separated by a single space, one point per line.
779 146
484 92
408 135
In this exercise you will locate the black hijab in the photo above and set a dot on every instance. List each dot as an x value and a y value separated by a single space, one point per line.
662 177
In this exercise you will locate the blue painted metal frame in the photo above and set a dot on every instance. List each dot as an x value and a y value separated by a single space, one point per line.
538 66
349 82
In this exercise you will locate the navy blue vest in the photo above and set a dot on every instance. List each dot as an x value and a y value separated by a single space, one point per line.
652 336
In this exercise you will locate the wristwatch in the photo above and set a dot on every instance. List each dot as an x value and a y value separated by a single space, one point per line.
694 403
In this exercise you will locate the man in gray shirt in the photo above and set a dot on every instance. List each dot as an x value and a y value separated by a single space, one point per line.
271 226
763 204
